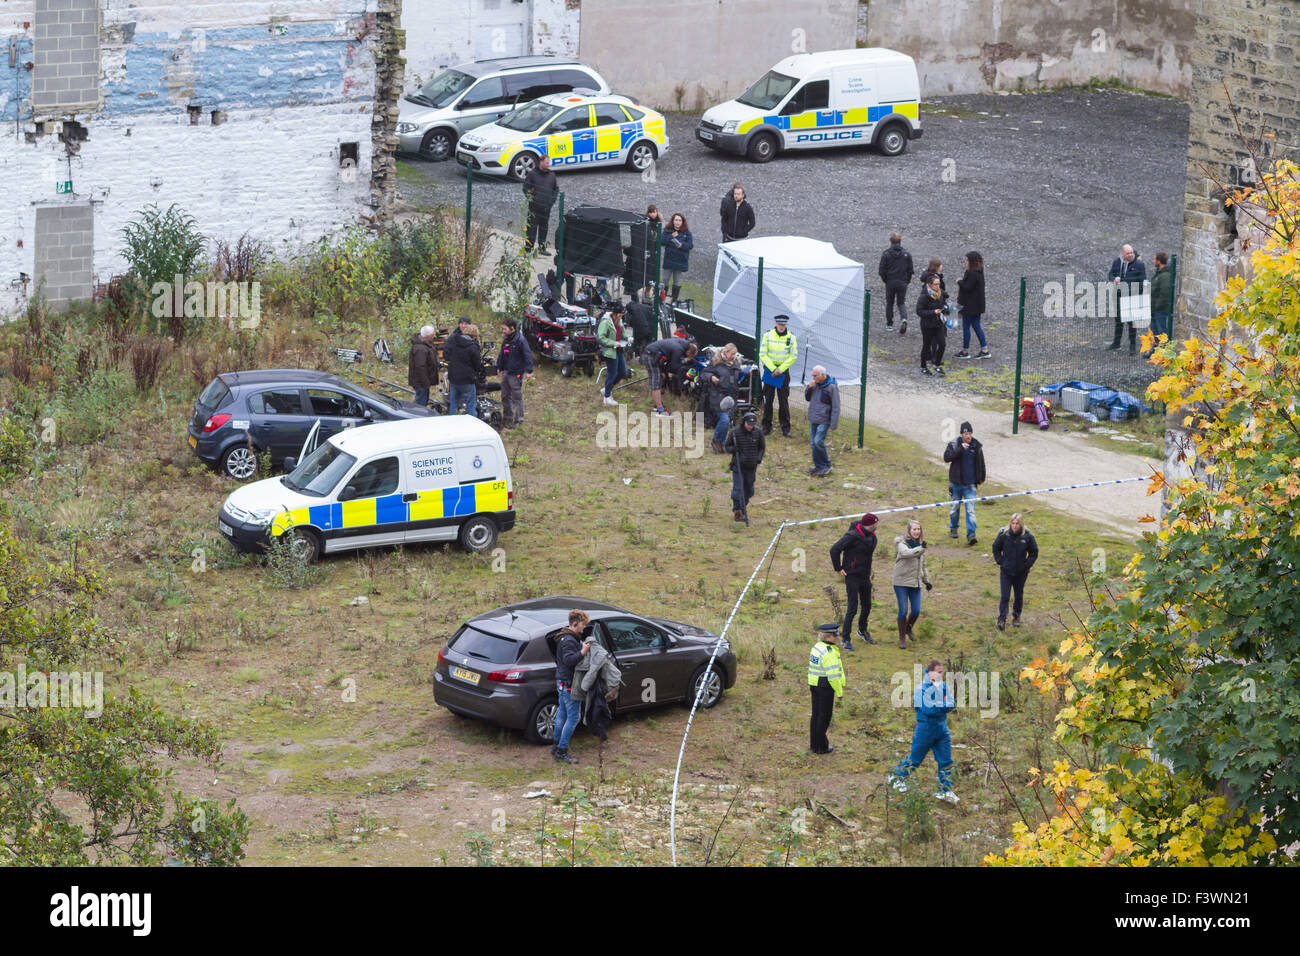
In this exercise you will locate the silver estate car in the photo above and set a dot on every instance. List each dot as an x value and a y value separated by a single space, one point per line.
433 118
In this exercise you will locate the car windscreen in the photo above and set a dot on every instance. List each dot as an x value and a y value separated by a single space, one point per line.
443 88
768 91
375 398
215 395
530 118
486 647
321 471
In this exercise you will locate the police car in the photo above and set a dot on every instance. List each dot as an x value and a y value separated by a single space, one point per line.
576 129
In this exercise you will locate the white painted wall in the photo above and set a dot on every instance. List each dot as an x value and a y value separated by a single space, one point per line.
442 33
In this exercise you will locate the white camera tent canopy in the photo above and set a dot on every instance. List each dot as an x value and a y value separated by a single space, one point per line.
819 289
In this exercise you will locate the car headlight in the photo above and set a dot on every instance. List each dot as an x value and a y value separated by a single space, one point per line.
407 127
491 148
261 516
730 126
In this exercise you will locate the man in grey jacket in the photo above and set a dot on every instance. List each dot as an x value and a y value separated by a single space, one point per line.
823 397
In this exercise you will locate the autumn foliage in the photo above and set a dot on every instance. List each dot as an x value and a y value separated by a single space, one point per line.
1180 695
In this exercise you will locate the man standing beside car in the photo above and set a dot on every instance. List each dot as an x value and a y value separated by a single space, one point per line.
569 650
515 363
464 361
541 190
422 367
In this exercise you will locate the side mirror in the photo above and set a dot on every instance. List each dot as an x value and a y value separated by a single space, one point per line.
349 493
368 415
290 464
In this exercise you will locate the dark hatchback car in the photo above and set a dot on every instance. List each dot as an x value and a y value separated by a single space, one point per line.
500 666
275 409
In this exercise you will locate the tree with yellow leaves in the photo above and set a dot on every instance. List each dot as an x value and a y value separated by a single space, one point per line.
1181 696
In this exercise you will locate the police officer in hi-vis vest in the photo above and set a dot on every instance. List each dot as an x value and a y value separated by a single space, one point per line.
776 354
826 681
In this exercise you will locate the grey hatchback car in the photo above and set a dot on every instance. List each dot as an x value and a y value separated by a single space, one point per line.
500 665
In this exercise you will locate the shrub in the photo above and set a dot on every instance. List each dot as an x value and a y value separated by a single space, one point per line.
161 245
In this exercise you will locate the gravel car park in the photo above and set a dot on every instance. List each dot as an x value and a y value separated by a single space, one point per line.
1008 175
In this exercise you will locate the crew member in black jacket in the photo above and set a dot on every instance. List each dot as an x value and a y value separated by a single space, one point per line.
895 272
851 557
1015 552
737 215
541 189
747 445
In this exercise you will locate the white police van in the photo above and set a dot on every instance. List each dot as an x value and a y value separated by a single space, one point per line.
812 100
432 479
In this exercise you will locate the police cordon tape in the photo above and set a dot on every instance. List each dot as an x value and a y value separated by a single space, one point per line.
672 814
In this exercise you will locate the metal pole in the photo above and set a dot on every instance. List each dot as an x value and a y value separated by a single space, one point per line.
654 288
756 384
469 207
1020 347
559 249
1173 292
862 388
659 242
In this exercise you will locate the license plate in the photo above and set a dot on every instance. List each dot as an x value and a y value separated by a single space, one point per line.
469 677
194 442
705 134
226 529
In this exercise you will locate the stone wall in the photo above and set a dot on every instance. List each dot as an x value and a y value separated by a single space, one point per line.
974 46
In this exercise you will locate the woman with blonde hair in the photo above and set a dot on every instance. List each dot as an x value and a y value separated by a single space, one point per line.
910 573
1014 551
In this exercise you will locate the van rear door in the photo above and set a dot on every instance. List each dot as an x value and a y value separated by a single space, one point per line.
481 474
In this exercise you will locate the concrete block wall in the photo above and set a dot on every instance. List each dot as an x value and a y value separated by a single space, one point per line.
65 71
1251 45
65 251
235 111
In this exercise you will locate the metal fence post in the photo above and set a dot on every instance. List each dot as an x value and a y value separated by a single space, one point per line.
469 208
756 385
1173 292
1020 344
559 249
862 388
654 287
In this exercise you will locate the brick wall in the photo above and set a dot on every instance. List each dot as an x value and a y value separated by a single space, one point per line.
65 72
65 252
1250 44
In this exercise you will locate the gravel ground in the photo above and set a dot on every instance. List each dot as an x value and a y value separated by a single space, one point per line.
1046 184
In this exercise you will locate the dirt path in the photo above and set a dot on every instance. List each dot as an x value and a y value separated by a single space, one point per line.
1031 459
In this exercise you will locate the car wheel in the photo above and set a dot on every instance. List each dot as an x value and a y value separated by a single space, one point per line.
521 165
567 369
761 148
712 687
540 728
239 462
437 145
306 544
642 156
478 534
892 141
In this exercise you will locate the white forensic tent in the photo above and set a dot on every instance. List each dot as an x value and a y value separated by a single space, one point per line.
819 289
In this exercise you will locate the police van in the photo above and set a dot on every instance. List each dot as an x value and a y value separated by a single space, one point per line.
432 479
575 130
814 100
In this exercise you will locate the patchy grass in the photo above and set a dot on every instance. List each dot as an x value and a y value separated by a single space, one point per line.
327 709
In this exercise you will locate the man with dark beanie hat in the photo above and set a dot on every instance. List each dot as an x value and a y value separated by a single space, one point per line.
851 557
965 457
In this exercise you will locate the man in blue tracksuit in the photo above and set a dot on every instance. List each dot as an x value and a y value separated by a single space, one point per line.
932 700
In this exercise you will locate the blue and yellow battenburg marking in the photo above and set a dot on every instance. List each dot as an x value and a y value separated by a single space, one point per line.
454 502
814 119
568 149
